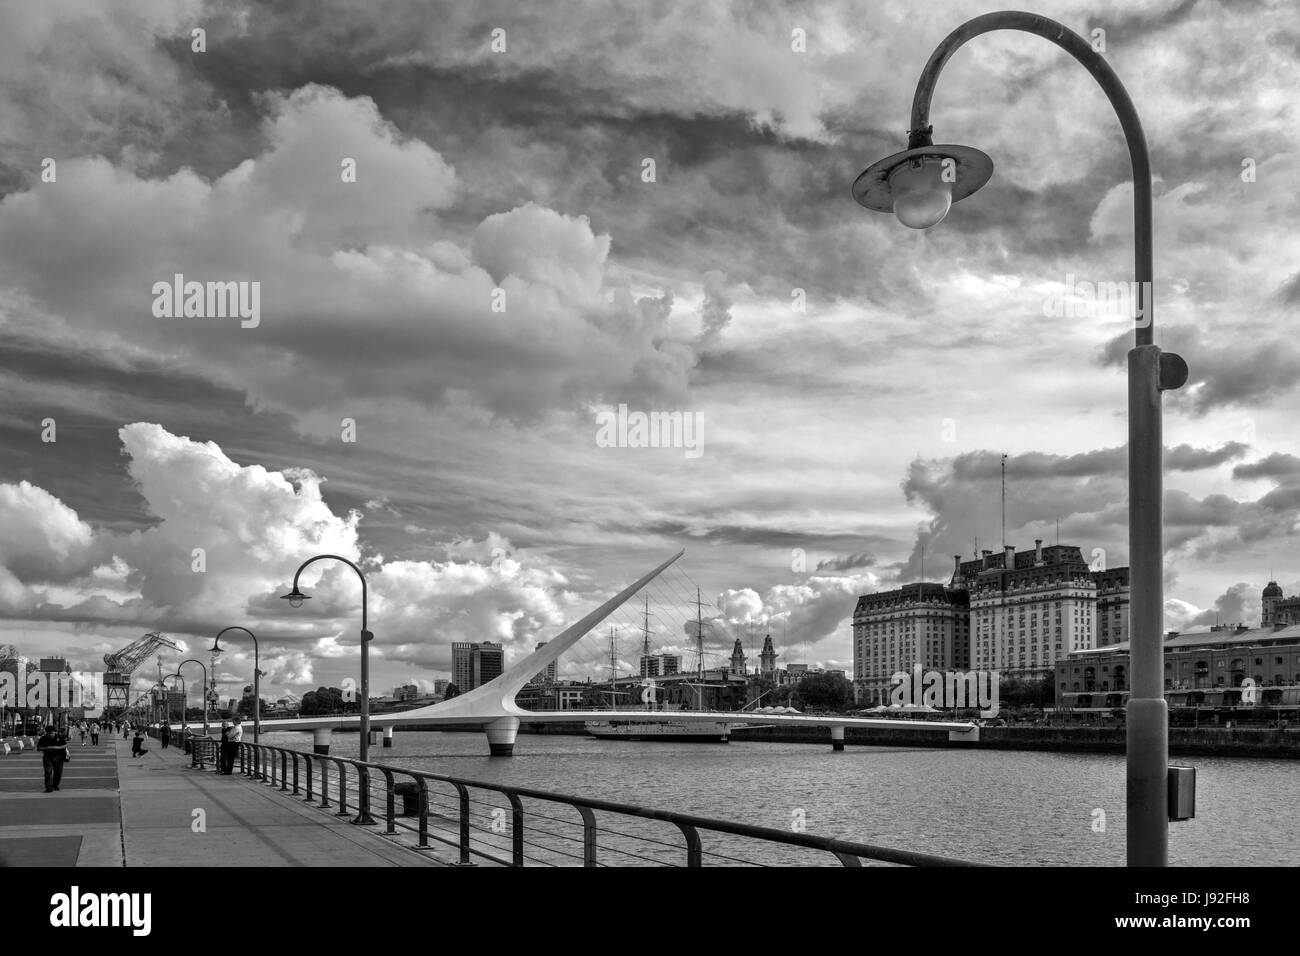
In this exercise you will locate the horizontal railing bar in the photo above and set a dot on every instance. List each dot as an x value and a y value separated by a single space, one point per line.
832 845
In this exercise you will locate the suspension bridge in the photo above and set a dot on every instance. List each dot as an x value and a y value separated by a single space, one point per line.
492 706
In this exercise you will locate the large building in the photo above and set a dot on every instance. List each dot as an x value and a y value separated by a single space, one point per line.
1016 613
1205 669
927 624
1277 609
661 665
473 665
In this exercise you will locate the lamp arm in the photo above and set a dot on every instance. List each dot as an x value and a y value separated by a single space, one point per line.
1079 48
337 557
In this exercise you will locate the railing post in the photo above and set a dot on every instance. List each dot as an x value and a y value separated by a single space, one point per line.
588 836
307 763
242 768
463 791
847 859
516 829
284 763
324 784
363 796
294 754
424 811
390 811
343 788
693 857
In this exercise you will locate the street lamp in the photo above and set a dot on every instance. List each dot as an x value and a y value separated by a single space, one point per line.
919 185
205 688
257 673
295 597
185 698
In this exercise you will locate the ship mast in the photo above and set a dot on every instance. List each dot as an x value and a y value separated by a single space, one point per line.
699 645
645 653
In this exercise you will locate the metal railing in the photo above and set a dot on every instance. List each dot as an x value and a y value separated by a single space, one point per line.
452 811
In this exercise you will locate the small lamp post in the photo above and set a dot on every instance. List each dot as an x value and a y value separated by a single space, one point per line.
205 688
257 675
295 597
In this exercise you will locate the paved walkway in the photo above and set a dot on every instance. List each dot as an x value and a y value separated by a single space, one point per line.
114 810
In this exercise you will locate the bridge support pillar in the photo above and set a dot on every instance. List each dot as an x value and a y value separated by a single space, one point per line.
320 740
837 738
501 736
388 736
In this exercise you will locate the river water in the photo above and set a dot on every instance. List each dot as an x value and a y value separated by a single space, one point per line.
986 806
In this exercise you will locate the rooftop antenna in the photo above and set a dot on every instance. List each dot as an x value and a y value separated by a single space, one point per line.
1004 499
1058 529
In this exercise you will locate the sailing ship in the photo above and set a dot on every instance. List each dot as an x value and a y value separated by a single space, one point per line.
667 731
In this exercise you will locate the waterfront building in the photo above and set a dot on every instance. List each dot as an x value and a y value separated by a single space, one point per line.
473 665
1204 668
1017 613
660 665
440 687
1278 610
406 692
893 630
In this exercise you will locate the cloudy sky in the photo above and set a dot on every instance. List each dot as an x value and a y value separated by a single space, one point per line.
501 272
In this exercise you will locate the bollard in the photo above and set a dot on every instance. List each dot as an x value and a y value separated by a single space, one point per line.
410 794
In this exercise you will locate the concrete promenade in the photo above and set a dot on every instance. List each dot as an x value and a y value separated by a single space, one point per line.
115 810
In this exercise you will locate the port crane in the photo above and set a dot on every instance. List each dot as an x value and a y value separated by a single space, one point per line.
120 665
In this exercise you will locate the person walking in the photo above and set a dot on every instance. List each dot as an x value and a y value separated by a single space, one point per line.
94 733
54 754
126 730
165 734
81 729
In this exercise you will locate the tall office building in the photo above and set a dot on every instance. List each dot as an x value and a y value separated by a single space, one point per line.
473 665
661 665
926 624
548 674
1017 613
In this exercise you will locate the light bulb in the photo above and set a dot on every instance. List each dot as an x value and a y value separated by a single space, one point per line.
921 197
295 602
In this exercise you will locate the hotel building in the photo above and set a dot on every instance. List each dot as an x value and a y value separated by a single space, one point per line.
1017 613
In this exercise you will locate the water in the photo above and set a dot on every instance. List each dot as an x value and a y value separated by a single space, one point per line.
987 806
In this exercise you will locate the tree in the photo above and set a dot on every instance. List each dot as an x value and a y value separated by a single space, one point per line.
825 692
451 691
323 701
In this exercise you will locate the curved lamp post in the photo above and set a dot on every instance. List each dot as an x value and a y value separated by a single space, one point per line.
185 698
257 675
295 597
919 185
205 688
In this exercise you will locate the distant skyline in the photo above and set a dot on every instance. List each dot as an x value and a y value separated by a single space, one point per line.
463 274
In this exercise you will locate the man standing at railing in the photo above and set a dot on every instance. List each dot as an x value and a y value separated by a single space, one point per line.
236 735
224 748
